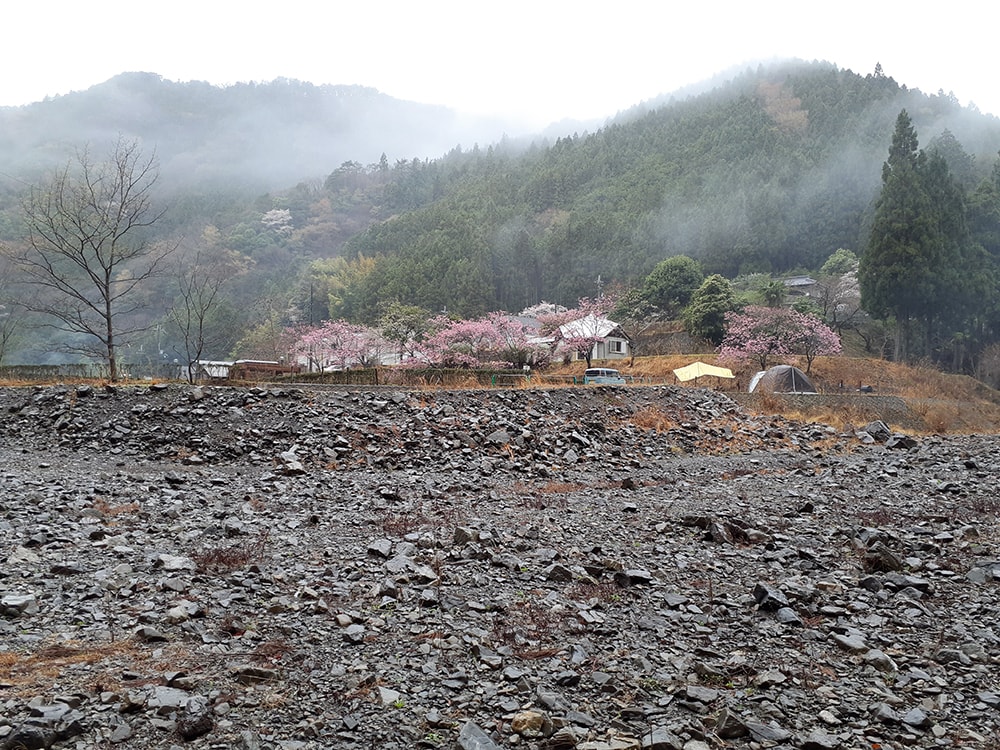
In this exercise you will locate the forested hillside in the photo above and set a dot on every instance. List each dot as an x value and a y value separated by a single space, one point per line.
770 173
311 204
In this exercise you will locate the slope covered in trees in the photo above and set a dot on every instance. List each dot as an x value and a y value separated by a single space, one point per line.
772 172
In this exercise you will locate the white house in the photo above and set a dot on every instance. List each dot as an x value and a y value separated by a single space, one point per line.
612 343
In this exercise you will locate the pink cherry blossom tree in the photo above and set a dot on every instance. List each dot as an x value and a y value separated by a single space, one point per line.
338 345
762 333
815 339
496 340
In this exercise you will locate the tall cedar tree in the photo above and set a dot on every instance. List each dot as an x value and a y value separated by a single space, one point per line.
909 269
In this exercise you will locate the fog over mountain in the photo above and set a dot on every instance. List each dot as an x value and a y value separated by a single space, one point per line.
262 136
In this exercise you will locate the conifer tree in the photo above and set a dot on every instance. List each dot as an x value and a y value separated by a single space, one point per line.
898 273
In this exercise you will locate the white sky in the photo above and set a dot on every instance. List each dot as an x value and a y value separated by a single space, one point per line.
534 60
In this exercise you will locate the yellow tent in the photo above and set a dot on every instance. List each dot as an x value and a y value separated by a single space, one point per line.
695 370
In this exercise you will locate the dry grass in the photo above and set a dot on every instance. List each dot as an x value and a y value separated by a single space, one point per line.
653 419
553 488
233 557
75 665
938 402
107 508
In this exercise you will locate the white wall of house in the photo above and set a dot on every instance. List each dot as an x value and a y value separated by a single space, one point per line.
610 348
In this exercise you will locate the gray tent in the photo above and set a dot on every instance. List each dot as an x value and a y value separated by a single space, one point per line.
782 379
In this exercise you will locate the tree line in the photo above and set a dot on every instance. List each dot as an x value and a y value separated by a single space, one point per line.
776 173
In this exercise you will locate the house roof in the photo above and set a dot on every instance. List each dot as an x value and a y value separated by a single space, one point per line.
590 325
799 281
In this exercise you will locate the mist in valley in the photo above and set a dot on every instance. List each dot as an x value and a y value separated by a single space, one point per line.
329 161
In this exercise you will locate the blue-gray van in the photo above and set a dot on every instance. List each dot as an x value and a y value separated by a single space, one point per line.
602 376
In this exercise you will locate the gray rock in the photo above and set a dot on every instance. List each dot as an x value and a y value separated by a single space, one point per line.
854 642
29 737
878 430
880 660
820 740
769 597
660 738
472 737
770 732
701 694
788 616
16 605
915 717
730 726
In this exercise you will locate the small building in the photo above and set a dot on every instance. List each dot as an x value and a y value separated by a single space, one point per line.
800 286
206 369
240 369
611 341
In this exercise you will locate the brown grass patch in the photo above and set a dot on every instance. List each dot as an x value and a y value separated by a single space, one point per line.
105 508
551 487
234 557
653 419
958 404
559 488
401 524
939 417
26 673
529 629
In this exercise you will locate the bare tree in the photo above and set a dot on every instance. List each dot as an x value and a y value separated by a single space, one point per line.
199 284
10 318
10 325
87 251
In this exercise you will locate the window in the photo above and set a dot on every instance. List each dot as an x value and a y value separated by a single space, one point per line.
617 346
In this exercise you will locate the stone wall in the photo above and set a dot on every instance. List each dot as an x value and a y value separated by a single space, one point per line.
860 407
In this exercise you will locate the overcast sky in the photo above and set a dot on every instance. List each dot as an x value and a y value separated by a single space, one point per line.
536 60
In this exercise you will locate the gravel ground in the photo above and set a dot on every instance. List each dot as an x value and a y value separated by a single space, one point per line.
598 569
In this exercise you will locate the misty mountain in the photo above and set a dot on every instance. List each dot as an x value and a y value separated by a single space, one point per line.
259 135
771 171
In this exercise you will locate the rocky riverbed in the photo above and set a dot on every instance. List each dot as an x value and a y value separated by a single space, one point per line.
589 569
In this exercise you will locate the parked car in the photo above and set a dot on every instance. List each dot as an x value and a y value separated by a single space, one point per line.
602 376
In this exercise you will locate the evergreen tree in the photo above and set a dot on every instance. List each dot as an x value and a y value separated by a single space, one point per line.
958 267
670 285
705 317
896 272
984 213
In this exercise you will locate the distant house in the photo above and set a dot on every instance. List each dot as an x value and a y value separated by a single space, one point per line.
240 369
204 369
612 342
800 286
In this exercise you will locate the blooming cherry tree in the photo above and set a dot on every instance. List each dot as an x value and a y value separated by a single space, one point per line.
496 340
761 333
815 339
338 345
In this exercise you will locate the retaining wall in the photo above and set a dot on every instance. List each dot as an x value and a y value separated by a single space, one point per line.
892 410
